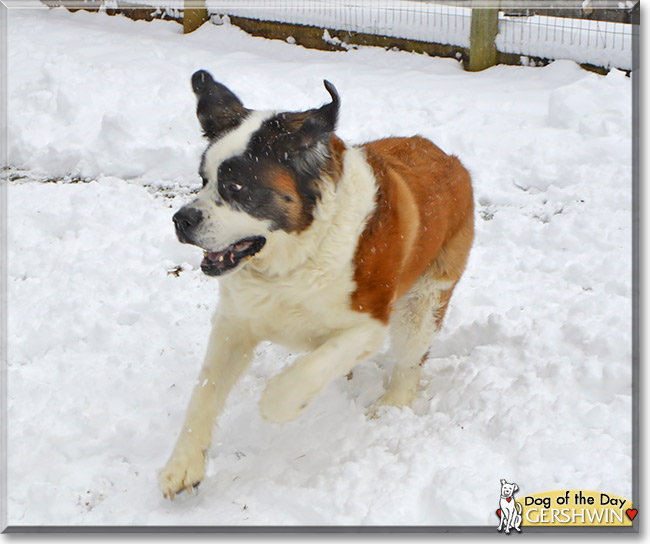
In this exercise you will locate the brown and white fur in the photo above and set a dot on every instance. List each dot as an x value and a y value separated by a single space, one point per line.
320 246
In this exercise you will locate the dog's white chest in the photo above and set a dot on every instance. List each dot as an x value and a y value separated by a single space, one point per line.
299 312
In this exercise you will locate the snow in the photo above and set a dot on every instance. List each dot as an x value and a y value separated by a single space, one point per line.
413 20
596 42
529 380
600 43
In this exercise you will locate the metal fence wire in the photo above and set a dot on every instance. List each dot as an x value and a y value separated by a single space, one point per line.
444 23
579 33
601 43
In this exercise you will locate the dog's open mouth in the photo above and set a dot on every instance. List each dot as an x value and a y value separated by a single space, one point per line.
216 263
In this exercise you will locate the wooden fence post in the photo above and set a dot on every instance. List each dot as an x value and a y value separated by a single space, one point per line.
195 14
484 28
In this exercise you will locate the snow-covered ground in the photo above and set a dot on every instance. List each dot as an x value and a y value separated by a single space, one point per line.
530 379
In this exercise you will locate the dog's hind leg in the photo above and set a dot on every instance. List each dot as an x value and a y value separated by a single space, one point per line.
420 313
416 317
230 350
290 392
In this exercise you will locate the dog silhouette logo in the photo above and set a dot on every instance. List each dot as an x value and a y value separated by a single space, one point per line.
509 510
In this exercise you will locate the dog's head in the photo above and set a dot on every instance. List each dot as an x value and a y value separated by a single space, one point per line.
261 174
508 490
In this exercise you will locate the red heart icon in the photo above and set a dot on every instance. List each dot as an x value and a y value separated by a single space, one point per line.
631 513
499 512
509 499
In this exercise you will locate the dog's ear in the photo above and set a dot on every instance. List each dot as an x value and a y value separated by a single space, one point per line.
307 148
516 488
503 482
217 108
326 116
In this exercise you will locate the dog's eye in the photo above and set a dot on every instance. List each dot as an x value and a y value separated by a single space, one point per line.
232 190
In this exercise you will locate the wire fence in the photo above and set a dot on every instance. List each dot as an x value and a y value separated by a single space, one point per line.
581 38
447 23
580 33
601 43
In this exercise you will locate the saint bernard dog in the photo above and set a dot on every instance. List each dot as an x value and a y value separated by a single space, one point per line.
320 246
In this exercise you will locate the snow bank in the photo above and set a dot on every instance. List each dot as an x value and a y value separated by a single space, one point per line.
530 379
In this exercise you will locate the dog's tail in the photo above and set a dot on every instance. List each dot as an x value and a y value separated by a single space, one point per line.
518 507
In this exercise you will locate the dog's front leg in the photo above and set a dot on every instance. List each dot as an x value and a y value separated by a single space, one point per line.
508 523
230 350
290 392
502 516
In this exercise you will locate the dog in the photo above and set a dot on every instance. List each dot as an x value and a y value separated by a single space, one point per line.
509 510
320 246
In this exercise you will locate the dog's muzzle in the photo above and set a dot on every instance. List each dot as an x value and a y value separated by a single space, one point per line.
216 262
186 220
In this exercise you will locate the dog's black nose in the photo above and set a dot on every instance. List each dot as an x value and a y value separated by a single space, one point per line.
186 219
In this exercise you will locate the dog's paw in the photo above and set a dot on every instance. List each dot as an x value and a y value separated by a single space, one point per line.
376 410
284 398
397 396
391 398
183 471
